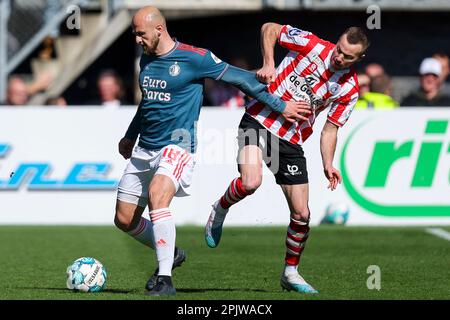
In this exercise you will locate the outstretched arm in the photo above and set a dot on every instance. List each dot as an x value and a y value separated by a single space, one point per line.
328 140
270 32
246 81
212 67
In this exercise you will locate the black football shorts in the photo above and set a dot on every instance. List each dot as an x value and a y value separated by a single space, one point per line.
286 160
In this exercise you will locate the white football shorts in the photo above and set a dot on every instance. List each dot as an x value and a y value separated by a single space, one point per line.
172 161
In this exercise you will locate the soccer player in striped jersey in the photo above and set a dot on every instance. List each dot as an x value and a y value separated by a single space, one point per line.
161 165
317 72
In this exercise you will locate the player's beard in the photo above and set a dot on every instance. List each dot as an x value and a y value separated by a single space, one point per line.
151 48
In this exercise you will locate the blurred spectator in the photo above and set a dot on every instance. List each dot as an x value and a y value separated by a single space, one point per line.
19 92
374 69
429 93
16 91
47 50
379 96
444 61
364 83
56 101
110 88
225 95
41 83
364 87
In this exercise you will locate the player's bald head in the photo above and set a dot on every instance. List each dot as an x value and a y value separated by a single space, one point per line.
150 30
149 16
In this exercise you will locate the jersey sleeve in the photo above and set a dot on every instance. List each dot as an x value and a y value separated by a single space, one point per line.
211 67
135 126
295 39
341 108
246 81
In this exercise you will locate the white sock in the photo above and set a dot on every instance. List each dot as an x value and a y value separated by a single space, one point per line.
290 269
164 238
144 233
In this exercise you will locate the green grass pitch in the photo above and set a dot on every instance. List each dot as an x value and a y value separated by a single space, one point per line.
246 265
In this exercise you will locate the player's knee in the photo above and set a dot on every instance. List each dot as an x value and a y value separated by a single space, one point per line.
158 198
301 213
251 185
122 221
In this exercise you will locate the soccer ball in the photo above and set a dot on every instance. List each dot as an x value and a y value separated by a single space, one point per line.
336 213
86 274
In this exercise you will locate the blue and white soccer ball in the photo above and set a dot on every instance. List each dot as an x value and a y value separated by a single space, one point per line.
86 274
336 213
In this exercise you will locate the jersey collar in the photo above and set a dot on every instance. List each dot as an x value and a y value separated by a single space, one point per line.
171 50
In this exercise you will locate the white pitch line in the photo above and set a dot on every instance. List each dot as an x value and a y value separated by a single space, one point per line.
438 232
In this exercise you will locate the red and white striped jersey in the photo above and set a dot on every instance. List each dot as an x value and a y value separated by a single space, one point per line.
306 74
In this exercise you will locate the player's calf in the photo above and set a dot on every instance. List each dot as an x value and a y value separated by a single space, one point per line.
129 219
296 237
235 193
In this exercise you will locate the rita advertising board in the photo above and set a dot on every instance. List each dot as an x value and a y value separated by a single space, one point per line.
62 166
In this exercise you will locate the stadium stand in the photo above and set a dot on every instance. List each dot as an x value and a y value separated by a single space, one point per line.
51 42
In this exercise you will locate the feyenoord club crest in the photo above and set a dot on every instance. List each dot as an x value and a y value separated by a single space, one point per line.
174 69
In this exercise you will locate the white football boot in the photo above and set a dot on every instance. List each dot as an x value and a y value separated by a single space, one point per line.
213 228
295 282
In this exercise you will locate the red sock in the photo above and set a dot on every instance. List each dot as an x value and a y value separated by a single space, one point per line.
296 237
234 194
